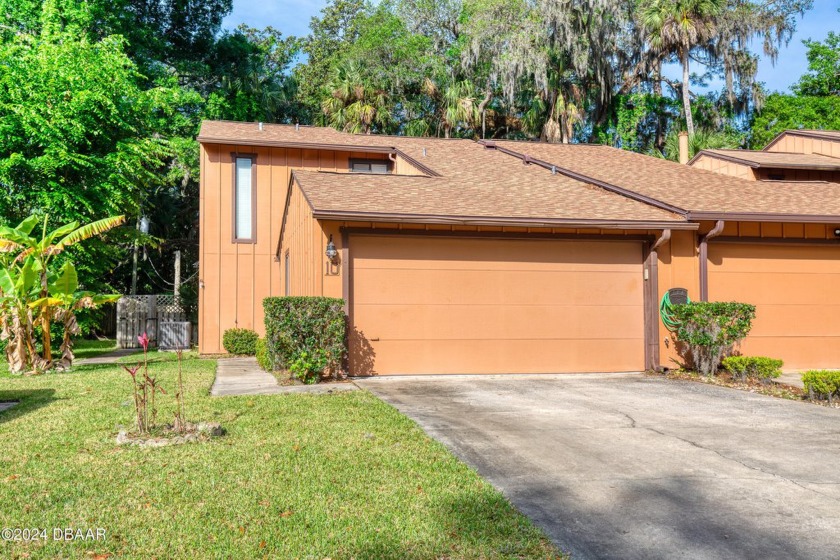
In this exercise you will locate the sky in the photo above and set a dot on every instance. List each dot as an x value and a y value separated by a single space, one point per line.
292 17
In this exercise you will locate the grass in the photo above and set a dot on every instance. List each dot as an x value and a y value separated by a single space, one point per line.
297 476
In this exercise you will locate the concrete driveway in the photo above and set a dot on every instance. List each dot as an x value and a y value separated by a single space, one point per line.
641 467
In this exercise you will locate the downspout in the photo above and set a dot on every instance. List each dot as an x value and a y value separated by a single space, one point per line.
704 259
652 361
662 240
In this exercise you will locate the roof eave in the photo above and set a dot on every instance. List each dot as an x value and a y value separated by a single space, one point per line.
725 157
764 217
343 215
303 145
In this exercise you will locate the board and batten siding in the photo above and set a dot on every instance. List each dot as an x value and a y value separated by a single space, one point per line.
724 167
234 277
798 144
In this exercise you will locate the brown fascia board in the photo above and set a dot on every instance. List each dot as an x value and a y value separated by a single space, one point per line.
590 180
292 183
320 146
764 217
756 165
341 215
732 159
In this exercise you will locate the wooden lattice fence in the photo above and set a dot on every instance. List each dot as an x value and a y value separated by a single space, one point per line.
139 314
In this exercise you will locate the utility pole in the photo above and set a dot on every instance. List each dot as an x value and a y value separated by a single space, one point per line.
134 261
177 277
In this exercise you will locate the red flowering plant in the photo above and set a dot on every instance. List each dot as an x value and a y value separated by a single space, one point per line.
145 388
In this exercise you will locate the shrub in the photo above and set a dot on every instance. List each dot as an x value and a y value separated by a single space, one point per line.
710 331
757 367
240 341
314 326
309 367
822 384
263 358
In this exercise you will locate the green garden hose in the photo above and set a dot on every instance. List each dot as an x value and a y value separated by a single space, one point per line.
666 312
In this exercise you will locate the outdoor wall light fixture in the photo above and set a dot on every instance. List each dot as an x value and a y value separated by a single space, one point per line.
332 252
332 258
837 232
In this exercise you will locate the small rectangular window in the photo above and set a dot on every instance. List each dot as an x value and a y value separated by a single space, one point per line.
370 166
244 194
287 291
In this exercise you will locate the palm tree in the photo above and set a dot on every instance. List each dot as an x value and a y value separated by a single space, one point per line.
676 27
703 139
352 105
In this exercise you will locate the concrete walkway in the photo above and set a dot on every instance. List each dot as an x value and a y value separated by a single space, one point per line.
107 359
6 405
792 379
242 376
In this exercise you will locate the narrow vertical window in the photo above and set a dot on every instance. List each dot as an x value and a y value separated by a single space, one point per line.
243 213
288 291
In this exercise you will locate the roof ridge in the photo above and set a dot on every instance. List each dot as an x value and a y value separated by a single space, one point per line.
627 193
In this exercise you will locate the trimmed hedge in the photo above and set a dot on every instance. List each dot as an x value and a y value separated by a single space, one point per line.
262 356
242 342
822 384
710 330
758 367
306 335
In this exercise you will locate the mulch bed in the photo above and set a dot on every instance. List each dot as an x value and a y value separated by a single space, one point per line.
724 379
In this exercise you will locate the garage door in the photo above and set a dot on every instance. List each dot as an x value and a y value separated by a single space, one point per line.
796 291
456 305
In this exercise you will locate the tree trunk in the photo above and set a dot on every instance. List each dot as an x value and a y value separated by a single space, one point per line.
134 256
45 326
689 121
659 141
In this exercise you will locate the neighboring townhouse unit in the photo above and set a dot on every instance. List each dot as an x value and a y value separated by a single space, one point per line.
456 256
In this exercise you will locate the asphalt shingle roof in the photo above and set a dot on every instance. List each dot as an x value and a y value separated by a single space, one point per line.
480 181
688 188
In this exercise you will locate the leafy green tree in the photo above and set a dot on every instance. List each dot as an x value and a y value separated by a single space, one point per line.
253 77
823 77
789 112
335 30
816 103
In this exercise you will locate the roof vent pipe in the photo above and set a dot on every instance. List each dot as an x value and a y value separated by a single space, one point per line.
297 127
260 126
683 147
424 152
554 170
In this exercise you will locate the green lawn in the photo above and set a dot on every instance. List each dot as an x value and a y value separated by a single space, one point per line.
297 476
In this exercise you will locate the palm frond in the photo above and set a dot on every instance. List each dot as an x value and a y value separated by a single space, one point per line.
87 231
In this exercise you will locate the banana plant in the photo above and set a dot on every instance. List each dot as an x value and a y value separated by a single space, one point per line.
18 284
64 299
42 246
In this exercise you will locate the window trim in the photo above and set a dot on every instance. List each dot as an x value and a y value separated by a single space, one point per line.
253 157
388 163
287 270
